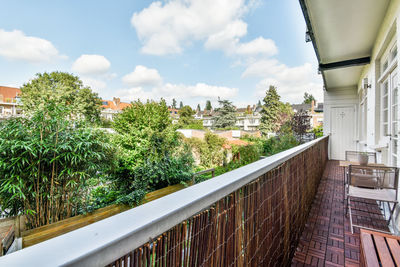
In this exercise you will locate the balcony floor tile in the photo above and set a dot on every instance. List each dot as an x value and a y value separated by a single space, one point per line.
327 238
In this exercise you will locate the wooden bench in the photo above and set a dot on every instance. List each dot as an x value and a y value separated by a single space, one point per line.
379 249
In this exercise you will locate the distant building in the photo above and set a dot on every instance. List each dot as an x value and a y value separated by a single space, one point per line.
174 114
9 102
248 119
314 110
112 108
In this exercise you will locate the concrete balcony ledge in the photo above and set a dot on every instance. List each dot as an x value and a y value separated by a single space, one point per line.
102 242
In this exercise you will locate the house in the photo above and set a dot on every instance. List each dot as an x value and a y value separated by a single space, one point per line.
356 44
9 102
248 119
317 115
314 110
112 108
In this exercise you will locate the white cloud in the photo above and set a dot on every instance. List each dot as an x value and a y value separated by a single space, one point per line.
258 46
198 90
166 28
147 83
228 38
95 84
291 82
142 76
91 64
16 45
178 91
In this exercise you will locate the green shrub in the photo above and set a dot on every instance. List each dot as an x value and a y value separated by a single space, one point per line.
196 125
318 131
46 162
151 152
278 144
210 149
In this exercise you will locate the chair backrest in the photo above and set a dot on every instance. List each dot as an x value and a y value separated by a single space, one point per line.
353 156
374 177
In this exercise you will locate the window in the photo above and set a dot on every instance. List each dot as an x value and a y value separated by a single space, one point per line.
389 99
385 107
385 65
363 115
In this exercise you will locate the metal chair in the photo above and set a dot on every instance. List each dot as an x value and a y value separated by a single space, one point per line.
373 183
353 156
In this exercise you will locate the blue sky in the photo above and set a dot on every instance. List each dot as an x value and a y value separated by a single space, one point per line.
190 50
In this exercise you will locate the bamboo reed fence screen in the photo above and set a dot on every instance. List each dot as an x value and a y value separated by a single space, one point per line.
257 225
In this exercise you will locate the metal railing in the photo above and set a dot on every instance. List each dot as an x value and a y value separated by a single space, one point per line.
252 216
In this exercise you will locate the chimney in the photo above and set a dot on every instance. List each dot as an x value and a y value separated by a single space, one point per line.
312 106
117 101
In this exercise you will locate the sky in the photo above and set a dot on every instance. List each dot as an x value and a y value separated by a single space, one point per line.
190 50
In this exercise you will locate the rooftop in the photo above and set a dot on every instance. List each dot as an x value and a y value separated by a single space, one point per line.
9 92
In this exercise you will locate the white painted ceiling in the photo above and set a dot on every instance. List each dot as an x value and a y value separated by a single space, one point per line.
344 30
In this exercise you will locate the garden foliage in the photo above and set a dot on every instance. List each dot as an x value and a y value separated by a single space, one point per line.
226 115
151 152
45 163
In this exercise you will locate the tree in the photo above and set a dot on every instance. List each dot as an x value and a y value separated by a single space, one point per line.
46 161
259 103
226 116
181 104
198 109
301 124
285 116
152 155
208 105
63 90
173 103
209 149
308 98
186 116
270 111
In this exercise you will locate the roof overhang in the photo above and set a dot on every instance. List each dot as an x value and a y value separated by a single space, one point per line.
343 34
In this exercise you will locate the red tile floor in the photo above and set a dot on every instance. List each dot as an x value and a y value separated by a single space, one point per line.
327 239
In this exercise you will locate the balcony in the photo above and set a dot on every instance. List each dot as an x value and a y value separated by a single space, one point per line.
285 209
252 216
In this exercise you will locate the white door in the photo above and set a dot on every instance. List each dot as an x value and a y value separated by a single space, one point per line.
342 131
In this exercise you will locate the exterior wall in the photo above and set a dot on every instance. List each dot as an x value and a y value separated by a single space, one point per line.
317 119
374 139
368 132
9 109
248 123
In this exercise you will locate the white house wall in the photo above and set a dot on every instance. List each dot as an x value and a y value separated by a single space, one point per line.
388 31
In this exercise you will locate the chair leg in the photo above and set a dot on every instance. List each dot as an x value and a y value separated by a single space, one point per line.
351 219
391 212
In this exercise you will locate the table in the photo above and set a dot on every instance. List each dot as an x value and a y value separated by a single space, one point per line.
344 163
385 252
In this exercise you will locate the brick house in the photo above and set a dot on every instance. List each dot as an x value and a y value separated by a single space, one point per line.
9 101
